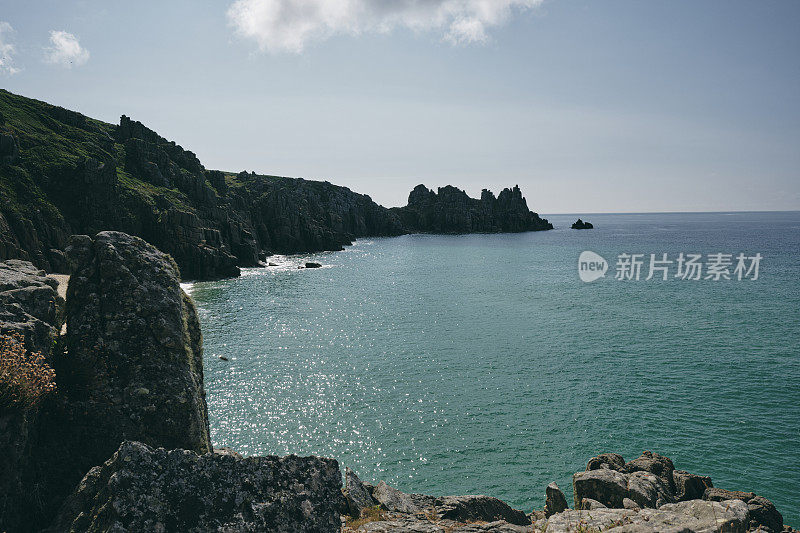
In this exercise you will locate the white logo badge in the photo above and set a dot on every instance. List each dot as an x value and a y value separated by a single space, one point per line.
591 266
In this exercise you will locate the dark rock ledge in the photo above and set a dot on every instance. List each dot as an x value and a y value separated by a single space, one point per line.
122 445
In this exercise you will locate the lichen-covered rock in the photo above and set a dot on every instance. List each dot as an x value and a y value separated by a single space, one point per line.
607 486
478 509
144 489
649 490
761 511
135 363
695 516
394 500
655 464
29 305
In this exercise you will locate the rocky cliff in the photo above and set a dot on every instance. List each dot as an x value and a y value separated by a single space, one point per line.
62 173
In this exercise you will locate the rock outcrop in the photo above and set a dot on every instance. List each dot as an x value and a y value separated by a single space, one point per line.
29 305
144 489
555 502
580 224
651 482
135 349
452 211
403 512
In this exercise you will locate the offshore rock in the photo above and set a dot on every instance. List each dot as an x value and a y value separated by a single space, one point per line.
144 489
450 210
580 224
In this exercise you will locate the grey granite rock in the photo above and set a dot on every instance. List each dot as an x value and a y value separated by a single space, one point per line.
144 489
478 509
135 362
695 516
29 305
655 464
614 461
607 486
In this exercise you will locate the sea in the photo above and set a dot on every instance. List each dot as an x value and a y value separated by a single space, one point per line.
485 364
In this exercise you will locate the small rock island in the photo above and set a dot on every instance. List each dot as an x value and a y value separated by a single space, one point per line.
580 224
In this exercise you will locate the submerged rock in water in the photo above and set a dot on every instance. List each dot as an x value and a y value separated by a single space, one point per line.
144 489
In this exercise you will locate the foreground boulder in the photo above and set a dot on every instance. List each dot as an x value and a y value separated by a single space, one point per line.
135 363
146 489
132 370
695 516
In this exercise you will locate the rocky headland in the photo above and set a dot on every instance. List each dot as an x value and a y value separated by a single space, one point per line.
450 210
119 439
62 173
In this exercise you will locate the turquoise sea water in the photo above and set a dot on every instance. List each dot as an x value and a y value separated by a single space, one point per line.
482 364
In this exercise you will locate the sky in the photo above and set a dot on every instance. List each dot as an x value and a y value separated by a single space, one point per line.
590 106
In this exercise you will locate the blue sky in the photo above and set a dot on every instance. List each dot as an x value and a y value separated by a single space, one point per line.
589 106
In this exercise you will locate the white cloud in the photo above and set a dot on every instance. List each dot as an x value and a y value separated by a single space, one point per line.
288 25
7 49
65 50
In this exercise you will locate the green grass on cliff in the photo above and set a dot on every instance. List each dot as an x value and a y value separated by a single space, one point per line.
49 144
